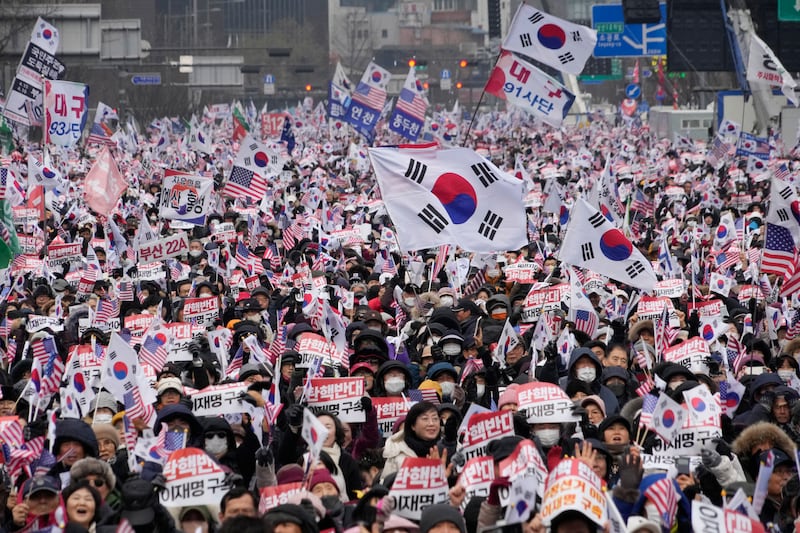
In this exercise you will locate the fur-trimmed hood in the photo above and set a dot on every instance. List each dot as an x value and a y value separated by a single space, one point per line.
762 433
632 409
636 329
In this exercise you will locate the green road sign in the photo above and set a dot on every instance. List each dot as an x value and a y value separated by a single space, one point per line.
789 10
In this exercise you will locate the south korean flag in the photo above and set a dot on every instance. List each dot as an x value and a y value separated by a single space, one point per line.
593 242
451 196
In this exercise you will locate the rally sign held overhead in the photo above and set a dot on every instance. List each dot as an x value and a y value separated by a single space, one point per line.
450 196
186 197
66 106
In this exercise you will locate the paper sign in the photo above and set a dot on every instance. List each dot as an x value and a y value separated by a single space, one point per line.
388 411
419 483
574 486
540 300
339 396
216 400
545 402
482 428
201 311
165 248
193 478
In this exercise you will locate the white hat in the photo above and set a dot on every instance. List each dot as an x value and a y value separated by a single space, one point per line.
637 524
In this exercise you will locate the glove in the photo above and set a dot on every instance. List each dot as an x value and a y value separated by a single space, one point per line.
723 447
159 482
766 400
437 353
264 456
458 459
550 351
233 480
366 404
451 429
494 488
694 324
710 458
619 328
459 396
630 471
294 415
554 457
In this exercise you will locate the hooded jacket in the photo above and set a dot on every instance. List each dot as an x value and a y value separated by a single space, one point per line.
73 429
764 435
394 451
608 397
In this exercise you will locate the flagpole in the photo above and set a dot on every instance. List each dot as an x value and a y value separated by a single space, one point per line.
477 106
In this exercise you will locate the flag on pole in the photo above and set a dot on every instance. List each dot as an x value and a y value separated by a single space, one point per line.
555 42
668 418
409 113
314 433
449 196
339 94
765 69
595 243
104 184
367 100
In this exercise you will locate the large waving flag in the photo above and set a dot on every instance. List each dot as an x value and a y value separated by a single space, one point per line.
784 207
451 196
198 139
593 242
40 173
409 113
523 85
247 177
764 68
104 184
339 93
555 42
368 99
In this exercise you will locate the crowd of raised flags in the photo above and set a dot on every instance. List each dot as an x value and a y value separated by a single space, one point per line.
275 319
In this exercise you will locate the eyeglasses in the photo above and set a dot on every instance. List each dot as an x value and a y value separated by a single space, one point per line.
97 482
219 434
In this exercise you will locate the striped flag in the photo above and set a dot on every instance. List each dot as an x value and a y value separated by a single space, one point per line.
663 495
648 408
477 281
244 183
646 386
779 252
441 258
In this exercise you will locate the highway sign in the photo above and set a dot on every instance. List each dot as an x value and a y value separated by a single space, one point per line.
789 10
633 91
445 75
269 84
149 78
269 79
617 39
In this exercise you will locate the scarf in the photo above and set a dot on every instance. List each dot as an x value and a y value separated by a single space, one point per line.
420 447
334 451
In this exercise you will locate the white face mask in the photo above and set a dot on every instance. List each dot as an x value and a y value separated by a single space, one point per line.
216 445
195 253
394 385
786 375
102 418
451 349
548 437
492 272
480 390
447 388
446 301
587 374
410 302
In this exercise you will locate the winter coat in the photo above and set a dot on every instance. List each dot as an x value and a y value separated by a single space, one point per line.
394 451
763 435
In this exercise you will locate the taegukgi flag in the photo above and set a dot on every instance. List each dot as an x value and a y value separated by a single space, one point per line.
451 196
525 86
551 40
593 242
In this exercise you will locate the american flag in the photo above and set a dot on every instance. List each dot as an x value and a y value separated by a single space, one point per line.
793 329
782 172
235 365
586 321
412 103
648 408
791 283
17 458
106 310
125 291
244 183
665 334
735 353
439 261
372 97
100 134
11 432
291 235
45 352
663 495
643 360
646 386
135 406
643 204
278 344
779 253
400 317
423 395
125 527
271 255
249 261
153 350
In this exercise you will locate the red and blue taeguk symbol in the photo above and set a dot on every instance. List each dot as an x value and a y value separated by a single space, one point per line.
698 405
47 33
615 246
563 215
606 213
79 382
720 283
419 86
457 196
261 159
47 173
731 399
722 232
160 338
668 419
796 210
200 138
708 332
120 370
376 76
552 36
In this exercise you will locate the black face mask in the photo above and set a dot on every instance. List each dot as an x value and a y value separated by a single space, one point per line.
332 504
617 388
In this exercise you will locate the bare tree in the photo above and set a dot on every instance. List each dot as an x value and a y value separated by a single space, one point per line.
351 39
17 18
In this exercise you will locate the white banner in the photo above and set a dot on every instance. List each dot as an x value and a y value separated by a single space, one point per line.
66 106
185 197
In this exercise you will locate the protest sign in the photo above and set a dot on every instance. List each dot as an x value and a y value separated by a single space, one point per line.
482 428
420 483
185 197
30 244
216 400
182 333
165 248
525 461
112 324
138 324
545 299
149 272
388 411
651 308
201 311
573 486
545 402
690 439
192 478
709 309
90 362
476 477
38 322
692 353
670 288
66 106
271 497
709 518
313 346
522 272
339 396
58 254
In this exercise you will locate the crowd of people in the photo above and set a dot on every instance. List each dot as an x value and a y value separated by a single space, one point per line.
440 341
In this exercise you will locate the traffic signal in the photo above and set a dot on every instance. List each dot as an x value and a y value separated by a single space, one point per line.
463 63
495 25
412 63
308 87
459 85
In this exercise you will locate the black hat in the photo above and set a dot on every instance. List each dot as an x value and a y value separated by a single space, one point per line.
259 290
290 357
40 483
778 455
207 284
169 368
465 304
501 448
613 419
443 512
60 285
252 369
250 305
292 514
138 502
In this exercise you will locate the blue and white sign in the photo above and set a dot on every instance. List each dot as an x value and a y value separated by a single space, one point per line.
146 79
617 39
445 74
269 84
269 79
633 91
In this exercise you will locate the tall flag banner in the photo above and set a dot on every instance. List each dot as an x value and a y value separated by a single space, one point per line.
198 139
779 251
45 36
451 196
523 85
247 177
368 99
42 174
764 68
595 243
339 94
314 433
555 42
409 113
104 184
185 197
240 126
101 132
66 106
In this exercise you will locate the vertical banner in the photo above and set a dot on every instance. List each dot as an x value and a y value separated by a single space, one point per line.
66 106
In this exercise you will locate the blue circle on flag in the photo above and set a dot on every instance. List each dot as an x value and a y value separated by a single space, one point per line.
615 246
552 36
457 196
